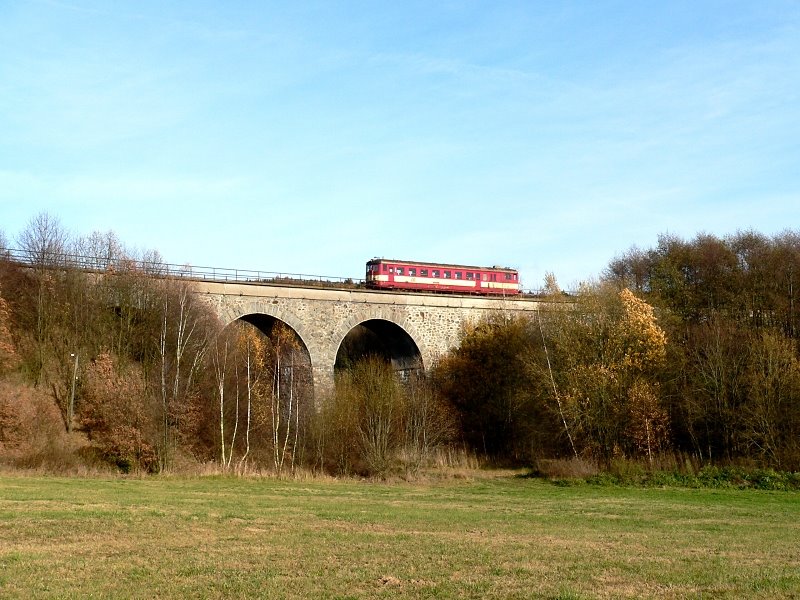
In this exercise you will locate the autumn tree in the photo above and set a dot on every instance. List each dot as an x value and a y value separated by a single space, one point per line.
119 415
770 414
185 331
607 350
725 303
243 379
223 361
287 394
44 241
8 351
747 277
101 251
377 421
495 381
334 431
263 391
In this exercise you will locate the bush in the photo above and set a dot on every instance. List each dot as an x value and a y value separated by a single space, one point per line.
32 432
565 468
682 473
374 424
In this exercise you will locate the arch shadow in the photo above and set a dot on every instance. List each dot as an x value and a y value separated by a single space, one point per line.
384 339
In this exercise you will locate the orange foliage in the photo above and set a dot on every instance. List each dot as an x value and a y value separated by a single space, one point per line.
117 414
8 352
31 428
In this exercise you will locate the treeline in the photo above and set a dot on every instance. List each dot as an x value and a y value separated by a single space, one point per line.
687 349
684 352
730 310
119 365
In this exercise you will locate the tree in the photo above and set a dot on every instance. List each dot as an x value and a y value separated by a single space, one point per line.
716 387
221 360
376 421
44 241
770 413
429 420
284 399
494 381
726 304
101 251
119 415
607 352
375 390
183 338
631 270
9 358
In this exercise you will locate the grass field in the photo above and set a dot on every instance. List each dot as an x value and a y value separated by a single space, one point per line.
501 537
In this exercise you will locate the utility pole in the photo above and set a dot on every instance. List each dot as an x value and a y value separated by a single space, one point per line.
71 407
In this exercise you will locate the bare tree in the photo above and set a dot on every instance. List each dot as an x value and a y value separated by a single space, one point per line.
284 407
182 344
770 416
429 421
220 359
44 241
101 251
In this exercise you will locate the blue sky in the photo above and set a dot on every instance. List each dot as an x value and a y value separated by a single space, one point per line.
308 137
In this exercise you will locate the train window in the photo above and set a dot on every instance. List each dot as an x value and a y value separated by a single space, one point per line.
399 270
447 274
435 273
469 275
423 272
459 275
508 276
485 277
412 272
385 267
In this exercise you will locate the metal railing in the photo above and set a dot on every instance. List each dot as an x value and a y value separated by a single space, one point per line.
155 268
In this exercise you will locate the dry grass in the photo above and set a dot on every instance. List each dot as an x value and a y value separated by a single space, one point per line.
566 468
482 537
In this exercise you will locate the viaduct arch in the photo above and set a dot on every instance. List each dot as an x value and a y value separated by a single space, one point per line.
414 329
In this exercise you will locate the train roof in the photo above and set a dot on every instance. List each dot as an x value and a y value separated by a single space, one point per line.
445 265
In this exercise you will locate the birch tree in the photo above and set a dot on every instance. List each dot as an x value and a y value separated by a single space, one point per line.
186 328
287 395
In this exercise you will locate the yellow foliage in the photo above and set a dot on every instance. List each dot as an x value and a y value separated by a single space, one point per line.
649 422
614 350
645 343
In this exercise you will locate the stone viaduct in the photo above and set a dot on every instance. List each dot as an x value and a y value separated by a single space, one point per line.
413 329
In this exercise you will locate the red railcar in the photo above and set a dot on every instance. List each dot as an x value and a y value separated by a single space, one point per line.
386 274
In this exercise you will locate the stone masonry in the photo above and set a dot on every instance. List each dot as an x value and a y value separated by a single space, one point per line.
322 317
